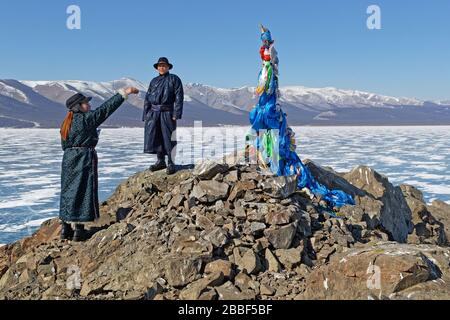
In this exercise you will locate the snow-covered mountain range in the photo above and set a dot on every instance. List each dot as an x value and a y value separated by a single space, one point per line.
41 104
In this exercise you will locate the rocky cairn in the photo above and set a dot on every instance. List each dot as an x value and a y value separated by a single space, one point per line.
226 231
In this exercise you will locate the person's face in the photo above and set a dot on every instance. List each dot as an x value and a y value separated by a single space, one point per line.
163 68
85 107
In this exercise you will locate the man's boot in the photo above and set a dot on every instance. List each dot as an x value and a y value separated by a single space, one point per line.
170 169
159 165
80 233
66 231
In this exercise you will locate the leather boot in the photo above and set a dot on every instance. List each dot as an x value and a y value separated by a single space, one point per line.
66 231
80 233
170 169
159 165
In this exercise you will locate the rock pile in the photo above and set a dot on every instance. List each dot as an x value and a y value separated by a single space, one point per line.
229 231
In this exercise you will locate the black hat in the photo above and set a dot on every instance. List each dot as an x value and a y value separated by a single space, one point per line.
163 60
76 99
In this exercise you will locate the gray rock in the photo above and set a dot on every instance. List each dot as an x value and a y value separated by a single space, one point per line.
176 201
303 221
332 179
154 290
219 206
194 290
248 262
279 217
289 258
383 270
239 211
210 191
208 295
240 188
228 291
204 223
395 215
217 236
279 187
248 176
354 214
208 169
246 284
232 176
222 266
427 229
266 290
272 263
257 228
182 270
281 237
441 213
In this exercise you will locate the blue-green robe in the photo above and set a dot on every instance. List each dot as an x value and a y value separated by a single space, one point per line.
79 172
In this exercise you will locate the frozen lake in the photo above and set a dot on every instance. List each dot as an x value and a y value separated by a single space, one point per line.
30 162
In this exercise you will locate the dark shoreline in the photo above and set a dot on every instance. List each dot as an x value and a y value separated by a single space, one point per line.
294 125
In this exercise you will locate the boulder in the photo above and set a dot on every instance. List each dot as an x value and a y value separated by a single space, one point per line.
289 258
240 212
210 191
217 236
181 270
223 266
271 261
441 213
9 254
331 179
279 217
281 237
266 290
394 216
279 187
427 229
228 291
208 169
248 262
240 188
257 228
195 289
384 270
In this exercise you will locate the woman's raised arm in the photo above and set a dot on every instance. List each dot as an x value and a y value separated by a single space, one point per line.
101 114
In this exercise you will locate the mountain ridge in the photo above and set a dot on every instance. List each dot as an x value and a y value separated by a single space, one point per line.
26 103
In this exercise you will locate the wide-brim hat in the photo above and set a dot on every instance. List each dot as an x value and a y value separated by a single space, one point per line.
77 99
163 60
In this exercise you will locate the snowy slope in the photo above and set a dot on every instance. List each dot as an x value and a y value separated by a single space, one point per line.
23 103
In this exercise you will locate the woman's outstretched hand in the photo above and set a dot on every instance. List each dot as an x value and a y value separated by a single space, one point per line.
131 90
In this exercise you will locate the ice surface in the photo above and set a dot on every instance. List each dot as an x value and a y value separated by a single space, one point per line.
30 162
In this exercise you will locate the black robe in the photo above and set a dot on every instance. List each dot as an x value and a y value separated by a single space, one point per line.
79 174
163 102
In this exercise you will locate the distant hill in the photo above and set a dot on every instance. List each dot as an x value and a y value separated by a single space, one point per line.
26 104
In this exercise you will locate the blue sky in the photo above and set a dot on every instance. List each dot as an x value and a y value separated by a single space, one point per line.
320 43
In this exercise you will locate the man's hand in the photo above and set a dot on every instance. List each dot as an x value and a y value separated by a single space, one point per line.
174 119
131 90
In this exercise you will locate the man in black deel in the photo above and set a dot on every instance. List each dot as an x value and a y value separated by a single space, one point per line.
163 107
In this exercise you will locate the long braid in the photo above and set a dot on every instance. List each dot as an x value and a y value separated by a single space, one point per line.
65 127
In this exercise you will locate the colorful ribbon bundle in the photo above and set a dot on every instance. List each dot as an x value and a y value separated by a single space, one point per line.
271 137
